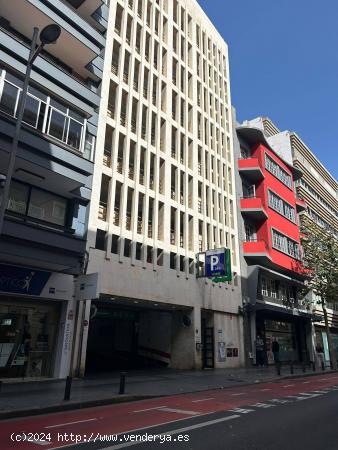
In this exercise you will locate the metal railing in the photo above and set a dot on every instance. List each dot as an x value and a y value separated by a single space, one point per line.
42 116
102 214
107 157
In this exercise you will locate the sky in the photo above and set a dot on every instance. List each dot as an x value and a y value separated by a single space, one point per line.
283 57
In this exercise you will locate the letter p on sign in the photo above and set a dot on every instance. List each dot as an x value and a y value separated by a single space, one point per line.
214 260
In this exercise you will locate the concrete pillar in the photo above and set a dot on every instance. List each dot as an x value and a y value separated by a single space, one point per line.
65 340
85 328
310 340
184 338
253 335
77 339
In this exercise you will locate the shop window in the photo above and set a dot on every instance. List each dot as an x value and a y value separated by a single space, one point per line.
27 335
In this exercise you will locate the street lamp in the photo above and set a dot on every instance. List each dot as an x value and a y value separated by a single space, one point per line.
48 35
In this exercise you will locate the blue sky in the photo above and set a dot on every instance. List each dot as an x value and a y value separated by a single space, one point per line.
284 65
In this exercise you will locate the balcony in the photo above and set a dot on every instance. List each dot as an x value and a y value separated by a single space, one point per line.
102 213
251 169
257 251
253 207
74 48
46 118
300 204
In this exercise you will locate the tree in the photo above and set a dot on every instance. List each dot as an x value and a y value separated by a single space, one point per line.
320 260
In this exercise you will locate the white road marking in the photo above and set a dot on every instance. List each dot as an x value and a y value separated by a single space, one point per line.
297 397
180 411
239 393
264 390
306 382
242 410
282 401
262 405
203 399
178 431
288 385
149 409
70 423
137 430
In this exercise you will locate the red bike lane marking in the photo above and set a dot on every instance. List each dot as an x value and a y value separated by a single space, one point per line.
112 419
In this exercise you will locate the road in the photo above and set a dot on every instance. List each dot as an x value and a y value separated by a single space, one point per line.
289 414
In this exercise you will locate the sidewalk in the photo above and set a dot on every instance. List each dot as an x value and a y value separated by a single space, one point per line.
36 397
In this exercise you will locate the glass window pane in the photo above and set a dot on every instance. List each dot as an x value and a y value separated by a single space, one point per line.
57 127
18 196
74 134
31 111
8 98
46 206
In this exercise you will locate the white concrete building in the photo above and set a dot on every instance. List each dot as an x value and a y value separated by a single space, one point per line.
163 191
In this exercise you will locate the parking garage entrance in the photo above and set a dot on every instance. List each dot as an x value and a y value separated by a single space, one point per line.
123 337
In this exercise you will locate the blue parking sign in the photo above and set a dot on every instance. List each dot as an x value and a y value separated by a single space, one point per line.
217 263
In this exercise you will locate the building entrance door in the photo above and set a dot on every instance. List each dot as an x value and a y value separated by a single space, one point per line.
207 346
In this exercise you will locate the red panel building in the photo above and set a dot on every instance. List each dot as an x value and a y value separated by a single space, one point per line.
272 272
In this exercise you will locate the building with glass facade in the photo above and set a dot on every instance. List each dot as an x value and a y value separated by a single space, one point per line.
43 240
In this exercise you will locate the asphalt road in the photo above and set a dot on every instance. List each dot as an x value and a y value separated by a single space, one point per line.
286 415
311 424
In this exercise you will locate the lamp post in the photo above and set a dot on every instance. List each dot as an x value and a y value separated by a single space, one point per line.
48 35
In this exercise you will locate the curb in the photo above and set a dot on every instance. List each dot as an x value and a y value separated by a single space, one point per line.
68 406
72 405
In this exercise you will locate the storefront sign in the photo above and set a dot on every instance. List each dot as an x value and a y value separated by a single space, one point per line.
22 280
88 286
33 282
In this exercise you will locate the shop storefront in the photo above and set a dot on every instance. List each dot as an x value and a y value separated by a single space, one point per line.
35 314
322 341
285 334
28 332
292 332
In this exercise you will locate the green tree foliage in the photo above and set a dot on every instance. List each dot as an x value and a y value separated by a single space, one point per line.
320 262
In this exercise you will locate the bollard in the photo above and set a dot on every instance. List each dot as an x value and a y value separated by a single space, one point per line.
68 388
122 382
278 367
323 366
314 366
291 368
331 365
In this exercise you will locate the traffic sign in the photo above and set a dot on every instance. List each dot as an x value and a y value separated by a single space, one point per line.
218 265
